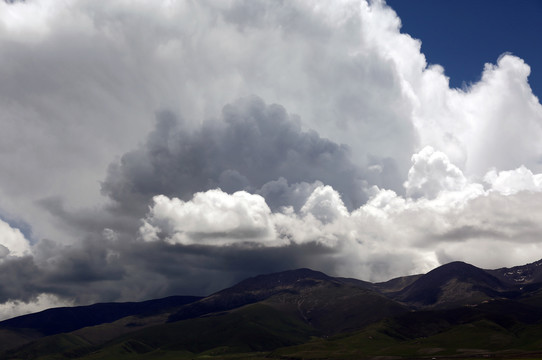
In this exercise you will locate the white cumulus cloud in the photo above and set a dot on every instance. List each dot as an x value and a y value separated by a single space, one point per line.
512 181
12 241
432 172
451 218
325 204
210 218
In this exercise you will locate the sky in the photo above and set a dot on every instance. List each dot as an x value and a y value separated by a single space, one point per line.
152 148
453 36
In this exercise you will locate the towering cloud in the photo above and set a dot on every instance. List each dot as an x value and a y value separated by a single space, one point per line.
251 147
431 173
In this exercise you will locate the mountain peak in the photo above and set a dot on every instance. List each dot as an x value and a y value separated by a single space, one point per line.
451 284
520 275
252 290
279 279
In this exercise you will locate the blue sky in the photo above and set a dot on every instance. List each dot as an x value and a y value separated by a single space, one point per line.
463 35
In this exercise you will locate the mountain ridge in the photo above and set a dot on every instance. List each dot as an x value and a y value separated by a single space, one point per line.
287 309
452 284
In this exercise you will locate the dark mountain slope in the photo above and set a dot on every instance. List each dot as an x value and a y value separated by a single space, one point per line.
329 304
276 280
260 313
508 314
520 275
485 329
358 283
66 319
396 284
454 284
252 290
464 332
322 303
14 338
390 286
455 306
255 327
335 307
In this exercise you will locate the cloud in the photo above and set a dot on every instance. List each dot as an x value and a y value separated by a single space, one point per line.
508 118
324 204
253 147
211 218
238 235
493 123
81 82
452 219
513 181
12 241
11 309
432 172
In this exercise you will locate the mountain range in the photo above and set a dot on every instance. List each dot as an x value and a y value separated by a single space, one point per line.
455 310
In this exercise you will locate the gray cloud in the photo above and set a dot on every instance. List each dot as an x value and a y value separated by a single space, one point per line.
19 279
81 81
125 271
254 147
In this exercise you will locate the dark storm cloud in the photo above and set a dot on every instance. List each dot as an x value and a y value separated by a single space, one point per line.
19 279
254 147
87 220
203 269
75 272
279 193
109 271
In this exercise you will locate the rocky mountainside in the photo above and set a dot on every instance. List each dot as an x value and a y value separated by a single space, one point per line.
520 275
454 284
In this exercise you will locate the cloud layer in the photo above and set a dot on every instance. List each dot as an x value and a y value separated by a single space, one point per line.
465 222
157 148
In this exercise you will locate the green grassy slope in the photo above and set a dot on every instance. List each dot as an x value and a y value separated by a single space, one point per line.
61 346
477 339
252 328
14 338
334 308
465 332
